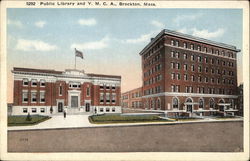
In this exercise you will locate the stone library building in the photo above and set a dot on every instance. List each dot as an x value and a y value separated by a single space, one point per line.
187 75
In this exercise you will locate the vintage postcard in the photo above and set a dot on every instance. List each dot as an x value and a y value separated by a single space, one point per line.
124 80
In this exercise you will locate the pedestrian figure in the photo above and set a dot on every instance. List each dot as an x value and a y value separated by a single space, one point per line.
64 114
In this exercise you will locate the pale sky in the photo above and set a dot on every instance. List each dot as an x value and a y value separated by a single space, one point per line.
110 39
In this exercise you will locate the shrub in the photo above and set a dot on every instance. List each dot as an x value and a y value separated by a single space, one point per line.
28 118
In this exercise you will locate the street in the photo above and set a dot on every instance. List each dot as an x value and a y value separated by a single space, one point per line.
191 137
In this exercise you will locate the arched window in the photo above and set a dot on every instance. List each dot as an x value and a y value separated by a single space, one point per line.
175 102
211 103
151 104
159 103
201 103
232 103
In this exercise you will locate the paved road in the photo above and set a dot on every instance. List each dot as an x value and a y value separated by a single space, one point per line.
192 137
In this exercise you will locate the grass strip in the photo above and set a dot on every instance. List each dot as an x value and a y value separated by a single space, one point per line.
21 120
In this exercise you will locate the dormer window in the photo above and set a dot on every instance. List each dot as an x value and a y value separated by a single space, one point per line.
33 82
25 82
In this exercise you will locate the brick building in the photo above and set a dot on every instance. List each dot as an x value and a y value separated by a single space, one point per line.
132 98
44 92
187 75
240 100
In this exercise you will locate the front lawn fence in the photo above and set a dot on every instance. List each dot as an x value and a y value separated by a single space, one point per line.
23 121
124 119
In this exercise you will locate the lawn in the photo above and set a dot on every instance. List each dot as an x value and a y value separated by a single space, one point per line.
99 119
22 120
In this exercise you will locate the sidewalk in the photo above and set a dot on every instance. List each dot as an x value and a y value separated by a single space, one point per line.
79 121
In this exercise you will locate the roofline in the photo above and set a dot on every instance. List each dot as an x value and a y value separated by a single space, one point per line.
190 37
56 73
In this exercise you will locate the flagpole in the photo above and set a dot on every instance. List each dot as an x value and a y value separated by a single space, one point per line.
75 59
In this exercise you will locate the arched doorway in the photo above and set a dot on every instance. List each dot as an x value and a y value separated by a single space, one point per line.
175 103
211 103
221 107
201 103
189 105
159 103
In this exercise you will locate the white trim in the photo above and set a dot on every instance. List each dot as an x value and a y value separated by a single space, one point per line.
207 53
175 94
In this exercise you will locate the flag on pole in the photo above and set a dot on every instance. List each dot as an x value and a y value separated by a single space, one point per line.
78 53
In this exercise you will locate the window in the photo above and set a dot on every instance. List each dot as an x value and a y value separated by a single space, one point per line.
175 103
199 59
172 88
199 48
107 97
60 90
172 42
101 97
25 82
88 91
172 65
33 82
201 103
185 66
172 75
199 69
74 85
113 109
177 55
212 70
212 61
192 78
107 87
185 56
185 77
192 68
178 76
205 49
192 57
25 110
33 96
42 96
42 110
218 62
113 87
177 43
113 97
101 109
212 80
211 103
218 81
177 65
25 96
107 109
172 54
206 79
42 83
206 59
199 79
192 46
206 69
185 45
33 110
101 86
